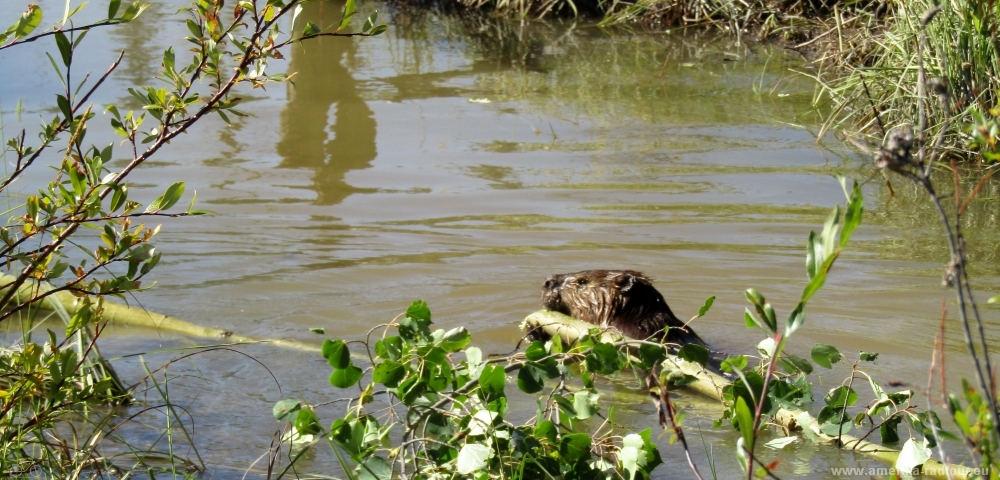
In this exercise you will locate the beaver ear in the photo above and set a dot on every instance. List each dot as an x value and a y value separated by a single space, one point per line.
625 281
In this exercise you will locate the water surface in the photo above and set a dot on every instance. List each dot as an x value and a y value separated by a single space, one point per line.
462 160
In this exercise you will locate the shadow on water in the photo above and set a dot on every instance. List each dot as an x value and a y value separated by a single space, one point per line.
323 82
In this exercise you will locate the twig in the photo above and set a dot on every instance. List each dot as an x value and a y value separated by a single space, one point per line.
663 399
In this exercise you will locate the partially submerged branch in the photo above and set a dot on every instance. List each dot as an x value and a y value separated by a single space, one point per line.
710 384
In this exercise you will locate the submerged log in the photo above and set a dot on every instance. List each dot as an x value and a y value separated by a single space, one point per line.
125 315
710 384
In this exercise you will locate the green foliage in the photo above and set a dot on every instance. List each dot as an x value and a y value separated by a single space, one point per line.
113 253
434 391
760 391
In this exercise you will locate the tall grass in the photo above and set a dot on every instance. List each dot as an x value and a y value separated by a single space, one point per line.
881 89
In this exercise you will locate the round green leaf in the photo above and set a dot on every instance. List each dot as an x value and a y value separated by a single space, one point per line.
536 351
345 377
574 447
825 355
492 379
336 353
530 379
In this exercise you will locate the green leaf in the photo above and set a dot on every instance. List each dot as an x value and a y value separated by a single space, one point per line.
168 60
547 429
840 396
318 330
133 11
829 234
735 363
64 107
744 421
65 49
379 29
813 256
113 7
141 252
825 355
585 403
530 379
994 299
345 377
389 373
170 197
348 12
708 304
852 216
389 348
285 407
831 415
418 310
194 28
764 310
794 364
492 379
415 328
370 22
630 456
150 264
835 429
694 353
336 353
752 320
536 351
575 447
795 319
455 339
650 355
306 422
888 430
29 20
310 30
603 359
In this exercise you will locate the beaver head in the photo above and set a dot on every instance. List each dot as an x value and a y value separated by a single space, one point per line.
624 299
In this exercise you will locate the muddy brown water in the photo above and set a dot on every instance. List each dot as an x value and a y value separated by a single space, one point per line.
460 161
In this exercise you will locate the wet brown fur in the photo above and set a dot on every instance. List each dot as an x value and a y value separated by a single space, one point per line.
623 299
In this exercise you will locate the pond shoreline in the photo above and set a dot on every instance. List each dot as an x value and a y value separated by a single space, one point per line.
853 53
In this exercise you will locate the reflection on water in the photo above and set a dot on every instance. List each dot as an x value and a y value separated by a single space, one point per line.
323 82
462 160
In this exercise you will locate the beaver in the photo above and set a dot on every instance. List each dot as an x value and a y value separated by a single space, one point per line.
623 299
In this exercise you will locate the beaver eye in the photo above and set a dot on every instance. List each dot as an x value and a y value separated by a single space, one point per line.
581 282
549 283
